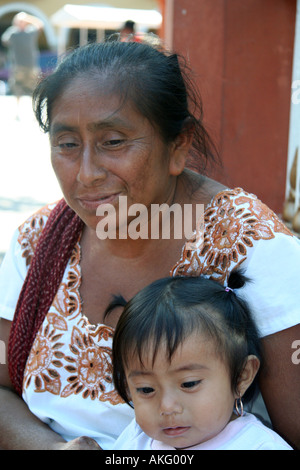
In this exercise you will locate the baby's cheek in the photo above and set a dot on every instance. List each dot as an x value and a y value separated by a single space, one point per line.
146 419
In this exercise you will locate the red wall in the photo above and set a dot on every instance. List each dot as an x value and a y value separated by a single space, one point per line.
242 52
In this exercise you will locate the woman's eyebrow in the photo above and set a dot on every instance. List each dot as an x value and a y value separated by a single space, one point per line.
108 124
92 127
60 127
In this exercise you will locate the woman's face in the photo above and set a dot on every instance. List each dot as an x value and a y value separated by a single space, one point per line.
101 150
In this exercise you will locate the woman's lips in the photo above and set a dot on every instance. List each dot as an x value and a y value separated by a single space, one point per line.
175 431
92 202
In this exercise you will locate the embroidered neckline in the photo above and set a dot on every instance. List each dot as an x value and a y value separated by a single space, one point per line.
233 220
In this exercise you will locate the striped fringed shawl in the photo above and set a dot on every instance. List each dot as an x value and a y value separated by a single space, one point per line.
44 276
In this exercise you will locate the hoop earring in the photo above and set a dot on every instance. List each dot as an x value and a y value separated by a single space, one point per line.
239 407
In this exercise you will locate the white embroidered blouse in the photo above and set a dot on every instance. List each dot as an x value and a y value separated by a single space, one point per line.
68 375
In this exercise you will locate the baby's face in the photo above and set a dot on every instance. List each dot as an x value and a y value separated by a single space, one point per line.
185 402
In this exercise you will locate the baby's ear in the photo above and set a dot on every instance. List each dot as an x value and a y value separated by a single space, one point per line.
248 374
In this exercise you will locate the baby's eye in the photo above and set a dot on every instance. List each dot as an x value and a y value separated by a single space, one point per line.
190 384
145 390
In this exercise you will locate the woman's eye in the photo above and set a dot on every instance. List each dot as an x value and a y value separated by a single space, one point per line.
113 142
190 384
67 145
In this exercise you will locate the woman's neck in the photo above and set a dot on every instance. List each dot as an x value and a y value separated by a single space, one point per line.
144 235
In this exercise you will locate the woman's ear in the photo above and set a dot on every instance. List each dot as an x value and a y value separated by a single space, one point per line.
180 148
248 375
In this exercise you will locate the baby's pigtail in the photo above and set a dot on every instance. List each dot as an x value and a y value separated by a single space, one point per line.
237 280
117 301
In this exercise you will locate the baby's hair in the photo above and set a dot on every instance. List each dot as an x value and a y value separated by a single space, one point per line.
170 310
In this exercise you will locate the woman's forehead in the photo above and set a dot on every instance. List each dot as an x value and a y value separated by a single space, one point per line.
94 82
81 91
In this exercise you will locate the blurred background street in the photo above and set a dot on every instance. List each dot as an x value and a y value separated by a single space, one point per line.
27 181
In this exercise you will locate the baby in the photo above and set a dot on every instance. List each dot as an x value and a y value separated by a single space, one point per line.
186 354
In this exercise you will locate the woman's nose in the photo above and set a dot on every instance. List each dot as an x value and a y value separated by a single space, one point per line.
91 170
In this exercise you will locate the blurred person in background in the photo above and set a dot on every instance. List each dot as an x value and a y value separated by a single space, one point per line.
128 32
22 41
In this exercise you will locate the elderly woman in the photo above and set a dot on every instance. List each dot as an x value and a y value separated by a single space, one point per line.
125 125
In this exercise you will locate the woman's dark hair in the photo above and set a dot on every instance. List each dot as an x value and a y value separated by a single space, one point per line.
155 81
169 310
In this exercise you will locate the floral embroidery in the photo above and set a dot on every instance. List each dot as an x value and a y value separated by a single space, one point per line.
233 221
90 368
57 363
67 300
45 357
30 232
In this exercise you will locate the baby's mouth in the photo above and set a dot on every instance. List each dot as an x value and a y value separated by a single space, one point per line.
175 430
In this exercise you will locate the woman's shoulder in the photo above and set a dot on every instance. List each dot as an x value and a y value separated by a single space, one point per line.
30 230
199 189
245 212
233 221
215 196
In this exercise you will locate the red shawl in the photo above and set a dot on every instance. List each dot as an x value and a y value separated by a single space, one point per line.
44 276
